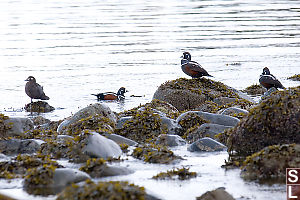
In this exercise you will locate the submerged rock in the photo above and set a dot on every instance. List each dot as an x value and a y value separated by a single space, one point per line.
187 94
275 120
217 194
91 110
207 144
39 107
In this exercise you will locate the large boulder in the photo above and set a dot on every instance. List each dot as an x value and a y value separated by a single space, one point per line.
276 120
187 94
17 146
96 109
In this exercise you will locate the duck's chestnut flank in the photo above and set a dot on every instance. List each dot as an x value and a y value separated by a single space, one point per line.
192 68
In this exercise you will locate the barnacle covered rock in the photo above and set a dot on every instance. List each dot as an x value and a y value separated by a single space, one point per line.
180 173
103 190
187 94
39 107
269 164
145 125
155 154
275 120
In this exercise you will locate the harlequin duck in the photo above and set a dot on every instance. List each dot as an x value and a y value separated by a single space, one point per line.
192 68
111 95
34 90
268 81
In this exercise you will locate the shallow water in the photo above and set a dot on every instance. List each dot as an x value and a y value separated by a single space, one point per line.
76 48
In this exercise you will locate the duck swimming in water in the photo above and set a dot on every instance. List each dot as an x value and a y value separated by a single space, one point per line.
192 68
268 81
111 95
34 90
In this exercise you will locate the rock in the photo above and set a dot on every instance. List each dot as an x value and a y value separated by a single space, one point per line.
5 197
205 130
269 165
268 93
206 144
172 126
114 171
39 120
122 120
100 147
273 121
255 90
91 110
120 139
39 106
295 77
65 176
217 194
170 140
17 146
212 118
187 94
3 157
234 110
17 126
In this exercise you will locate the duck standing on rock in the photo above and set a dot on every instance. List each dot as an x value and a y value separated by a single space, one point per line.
34 90
268 81
111 95
192 68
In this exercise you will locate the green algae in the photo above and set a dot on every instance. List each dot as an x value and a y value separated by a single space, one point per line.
180 173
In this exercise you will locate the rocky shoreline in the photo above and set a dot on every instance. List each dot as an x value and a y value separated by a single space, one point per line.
207 115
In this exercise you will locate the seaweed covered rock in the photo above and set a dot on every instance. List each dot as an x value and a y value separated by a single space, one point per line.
269 164
48 179
104 190
189 120
295 77
170 140
255 89
207 144
187 94
91 110
39 107
217 194
180 173
235 112
145 125
97 167
155 154
275 120
14 126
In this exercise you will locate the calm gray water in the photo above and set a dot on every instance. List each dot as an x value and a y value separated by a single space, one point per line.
75 48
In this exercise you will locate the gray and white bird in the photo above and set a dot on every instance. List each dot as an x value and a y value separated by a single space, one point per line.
34 90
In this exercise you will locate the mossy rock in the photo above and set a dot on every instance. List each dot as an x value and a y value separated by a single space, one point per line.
269 165
255 89
155 154
17 167
120 190
295 77
94 167
39 107
187 94
276 120
180 173
144 126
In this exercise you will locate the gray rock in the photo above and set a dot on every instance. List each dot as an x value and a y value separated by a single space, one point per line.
18 126
65 176
120 139
100 147
234 110
268 93
121 121
242 95
172 125
206 144
217 194
211 130
17 146
170 140
213 118
3 158
115 171
91 110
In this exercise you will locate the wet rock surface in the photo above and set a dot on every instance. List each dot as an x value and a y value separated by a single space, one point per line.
170 140
18 146
206 144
